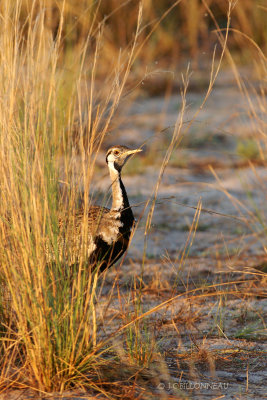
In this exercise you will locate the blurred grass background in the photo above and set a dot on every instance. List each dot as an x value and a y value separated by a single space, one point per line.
185 31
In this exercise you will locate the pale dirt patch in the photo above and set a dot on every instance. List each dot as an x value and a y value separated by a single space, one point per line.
219 340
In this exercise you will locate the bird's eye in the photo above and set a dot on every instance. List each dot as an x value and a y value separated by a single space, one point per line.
116 152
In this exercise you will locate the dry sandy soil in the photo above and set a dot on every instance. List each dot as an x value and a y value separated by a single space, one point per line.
213 346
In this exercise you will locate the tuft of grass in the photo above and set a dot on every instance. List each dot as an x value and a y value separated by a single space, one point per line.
248 149
50 335
251 331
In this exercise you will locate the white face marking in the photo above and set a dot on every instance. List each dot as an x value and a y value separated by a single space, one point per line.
111 166
111 159
113 155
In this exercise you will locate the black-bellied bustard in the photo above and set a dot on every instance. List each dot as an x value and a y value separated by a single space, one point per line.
107 230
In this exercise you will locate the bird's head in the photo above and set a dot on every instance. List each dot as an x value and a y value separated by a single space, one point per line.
118 155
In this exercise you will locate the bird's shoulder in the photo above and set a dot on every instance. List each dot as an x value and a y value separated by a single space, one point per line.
96 212
102 215
95 215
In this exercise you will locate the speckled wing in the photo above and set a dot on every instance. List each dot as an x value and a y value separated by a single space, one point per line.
79 234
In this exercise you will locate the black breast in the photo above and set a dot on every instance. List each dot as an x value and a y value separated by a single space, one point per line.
107 254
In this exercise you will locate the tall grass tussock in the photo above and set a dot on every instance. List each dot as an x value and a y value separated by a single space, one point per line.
48 310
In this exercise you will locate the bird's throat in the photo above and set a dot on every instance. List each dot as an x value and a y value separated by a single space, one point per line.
119 197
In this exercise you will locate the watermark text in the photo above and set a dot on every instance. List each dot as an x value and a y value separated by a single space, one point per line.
186 385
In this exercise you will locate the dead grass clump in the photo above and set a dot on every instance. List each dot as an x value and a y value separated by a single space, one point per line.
50 335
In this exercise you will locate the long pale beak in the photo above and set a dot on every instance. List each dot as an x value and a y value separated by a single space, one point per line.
129 152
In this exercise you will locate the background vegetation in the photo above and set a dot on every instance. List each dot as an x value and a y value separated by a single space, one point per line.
184 30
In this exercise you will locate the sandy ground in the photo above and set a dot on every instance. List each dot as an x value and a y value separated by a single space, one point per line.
225 336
